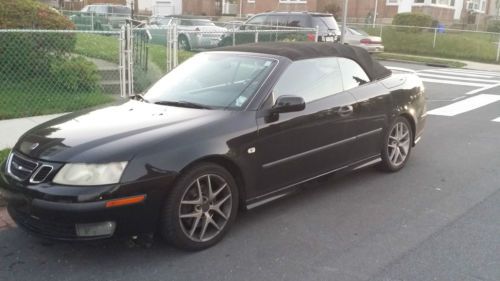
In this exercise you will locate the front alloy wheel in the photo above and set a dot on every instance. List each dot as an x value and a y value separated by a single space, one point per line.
205 208
200 208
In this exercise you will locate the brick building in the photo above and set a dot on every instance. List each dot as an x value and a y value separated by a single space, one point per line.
446 11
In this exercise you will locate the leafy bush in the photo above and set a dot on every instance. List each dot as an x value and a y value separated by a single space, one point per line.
75 74
333 9
494 26
413 19
28 54
31 14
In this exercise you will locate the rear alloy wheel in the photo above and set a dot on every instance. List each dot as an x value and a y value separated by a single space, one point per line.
201 208
397 145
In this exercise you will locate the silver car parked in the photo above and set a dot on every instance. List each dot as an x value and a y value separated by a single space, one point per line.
356 37
193 33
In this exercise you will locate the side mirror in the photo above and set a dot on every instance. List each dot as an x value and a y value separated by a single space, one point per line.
288 104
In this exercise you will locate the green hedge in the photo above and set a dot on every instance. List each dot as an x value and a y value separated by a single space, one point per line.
75 74
31 14
413 19
29 54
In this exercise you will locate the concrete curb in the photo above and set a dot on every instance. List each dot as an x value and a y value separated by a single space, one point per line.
420 63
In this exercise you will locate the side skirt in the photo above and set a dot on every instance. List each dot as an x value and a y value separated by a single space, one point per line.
284 191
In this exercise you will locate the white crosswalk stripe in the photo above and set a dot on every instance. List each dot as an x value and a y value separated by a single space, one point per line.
450 82
463 74
450 77
473 99
465 105
482 80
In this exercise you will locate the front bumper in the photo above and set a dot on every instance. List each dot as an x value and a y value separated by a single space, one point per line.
54 211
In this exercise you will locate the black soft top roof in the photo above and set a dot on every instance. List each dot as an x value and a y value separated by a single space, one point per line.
308 50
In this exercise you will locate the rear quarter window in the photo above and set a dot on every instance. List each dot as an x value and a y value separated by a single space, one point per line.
353 74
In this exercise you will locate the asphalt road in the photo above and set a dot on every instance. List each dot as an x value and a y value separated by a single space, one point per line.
437 219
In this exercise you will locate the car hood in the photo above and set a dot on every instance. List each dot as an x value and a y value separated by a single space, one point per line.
114 133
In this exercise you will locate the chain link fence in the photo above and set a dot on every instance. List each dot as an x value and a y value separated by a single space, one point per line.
44 71
49 71
436 42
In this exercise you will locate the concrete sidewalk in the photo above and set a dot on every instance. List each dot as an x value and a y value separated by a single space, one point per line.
12 129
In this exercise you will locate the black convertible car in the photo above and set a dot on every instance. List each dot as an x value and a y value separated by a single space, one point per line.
234 127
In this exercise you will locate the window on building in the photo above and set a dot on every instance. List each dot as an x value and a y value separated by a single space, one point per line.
392 2
293 1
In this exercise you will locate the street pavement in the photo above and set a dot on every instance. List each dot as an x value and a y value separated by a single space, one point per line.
437 219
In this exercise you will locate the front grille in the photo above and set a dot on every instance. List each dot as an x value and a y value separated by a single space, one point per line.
41 174
21 167
43 227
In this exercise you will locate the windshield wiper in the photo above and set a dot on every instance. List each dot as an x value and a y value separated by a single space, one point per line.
184 104
139 97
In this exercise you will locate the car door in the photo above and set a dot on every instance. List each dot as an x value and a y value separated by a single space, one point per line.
373 108
299 145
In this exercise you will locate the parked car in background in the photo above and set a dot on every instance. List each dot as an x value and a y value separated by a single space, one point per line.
101 17
193 33
236 126
328 30
230 25
357 37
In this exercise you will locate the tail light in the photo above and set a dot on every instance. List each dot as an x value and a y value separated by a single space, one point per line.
311 37
368 41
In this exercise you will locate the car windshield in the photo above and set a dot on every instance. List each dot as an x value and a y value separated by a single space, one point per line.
163 21
212 80
325 23
202 23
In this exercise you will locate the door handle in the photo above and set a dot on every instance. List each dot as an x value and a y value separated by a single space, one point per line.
346 110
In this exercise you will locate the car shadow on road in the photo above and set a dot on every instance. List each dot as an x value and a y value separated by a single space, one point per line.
20 251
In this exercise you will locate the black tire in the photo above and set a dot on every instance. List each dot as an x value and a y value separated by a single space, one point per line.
184 43
179 231
389 149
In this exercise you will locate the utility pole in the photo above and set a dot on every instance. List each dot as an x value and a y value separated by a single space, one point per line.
241 8
375 13
344 22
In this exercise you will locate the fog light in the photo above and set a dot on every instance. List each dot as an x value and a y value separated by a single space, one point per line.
106 228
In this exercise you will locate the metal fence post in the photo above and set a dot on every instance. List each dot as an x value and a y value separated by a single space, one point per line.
123 79
176 45
130 48
168 48
256 36
435 37
381 30
234 36
316 34
498 49
92 21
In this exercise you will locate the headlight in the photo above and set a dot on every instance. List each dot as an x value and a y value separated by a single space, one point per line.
90 174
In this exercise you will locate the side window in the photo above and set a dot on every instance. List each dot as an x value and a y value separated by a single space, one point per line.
275 20
352 74
258 20
311 79
186 23
297 21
